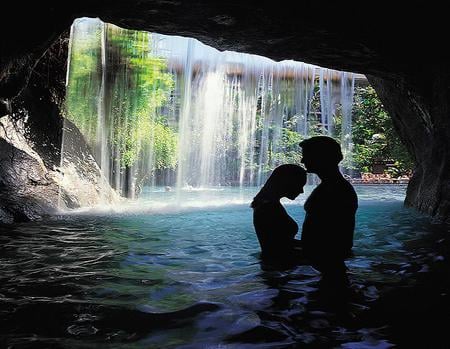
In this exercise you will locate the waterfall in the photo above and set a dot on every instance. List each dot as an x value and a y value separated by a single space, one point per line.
347 90
169 110
101 132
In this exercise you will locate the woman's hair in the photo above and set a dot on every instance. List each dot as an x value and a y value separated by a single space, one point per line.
279 182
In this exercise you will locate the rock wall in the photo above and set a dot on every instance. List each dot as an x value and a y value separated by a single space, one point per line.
34 182
28 190
423 123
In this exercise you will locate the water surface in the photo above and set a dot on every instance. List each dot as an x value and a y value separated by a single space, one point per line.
182 270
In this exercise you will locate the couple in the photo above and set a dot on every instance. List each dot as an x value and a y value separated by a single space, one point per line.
327 233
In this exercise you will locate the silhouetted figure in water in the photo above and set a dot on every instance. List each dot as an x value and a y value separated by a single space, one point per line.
273 225
327 234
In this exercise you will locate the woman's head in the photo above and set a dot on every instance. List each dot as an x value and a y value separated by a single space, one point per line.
285 181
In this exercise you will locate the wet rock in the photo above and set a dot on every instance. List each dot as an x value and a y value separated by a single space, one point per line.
22 199
33 180
29 190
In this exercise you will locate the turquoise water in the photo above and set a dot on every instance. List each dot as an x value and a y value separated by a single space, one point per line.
183 270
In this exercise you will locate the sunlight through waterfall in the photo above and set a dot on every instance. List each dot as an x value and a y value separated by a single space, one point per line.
161 110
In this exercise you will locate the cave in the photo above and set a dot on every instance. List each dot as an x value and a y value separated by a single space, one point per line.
399 58
387 43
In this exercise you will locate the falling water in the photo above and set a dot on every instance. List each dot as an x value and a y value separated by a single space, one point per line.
347 90
209 118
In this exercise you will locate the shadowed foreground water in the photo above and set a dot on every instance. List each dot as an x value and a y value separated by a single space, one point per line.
190 276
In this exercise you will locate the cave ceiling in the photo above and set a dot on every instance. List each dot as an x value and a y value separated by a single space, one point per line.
381 39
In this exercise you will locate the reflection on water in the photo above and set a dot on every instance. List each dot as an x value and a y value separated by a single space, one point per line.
185 274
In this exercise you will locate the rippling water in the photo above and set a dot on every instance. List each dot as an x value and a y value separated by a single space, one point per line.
184 271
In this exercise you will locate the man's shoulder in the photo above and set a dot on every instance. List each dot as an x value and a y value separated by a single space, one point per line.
350 187
339 185
337 193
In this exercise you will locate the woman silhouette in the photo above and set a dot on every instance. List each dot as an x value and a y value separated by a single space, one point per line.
274 227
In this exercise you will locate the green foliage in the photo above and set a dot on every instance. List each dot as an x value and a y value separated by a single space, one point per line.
82 94
123 96
165 146
143 86
288 148
374 136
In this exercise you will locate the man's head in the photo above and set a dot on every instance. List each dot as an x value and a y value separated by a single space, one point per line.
320 153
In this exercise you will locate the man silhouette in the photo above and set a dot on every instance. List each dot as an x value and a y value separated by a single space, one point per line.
327 235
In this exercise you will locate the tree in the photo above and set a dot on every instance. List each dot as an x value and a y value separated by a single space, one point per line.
139 85
116 89
374 136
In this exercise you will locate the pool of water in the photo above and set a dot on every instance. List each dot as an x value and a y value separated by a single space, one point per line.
182 270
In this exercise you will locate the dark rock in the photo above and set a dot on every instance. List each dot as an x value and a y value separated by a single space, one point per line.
29 189
23 199
425 130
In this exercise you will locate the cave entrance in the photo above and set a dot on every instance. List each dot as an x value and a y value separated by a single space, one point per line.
169 112
180 265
